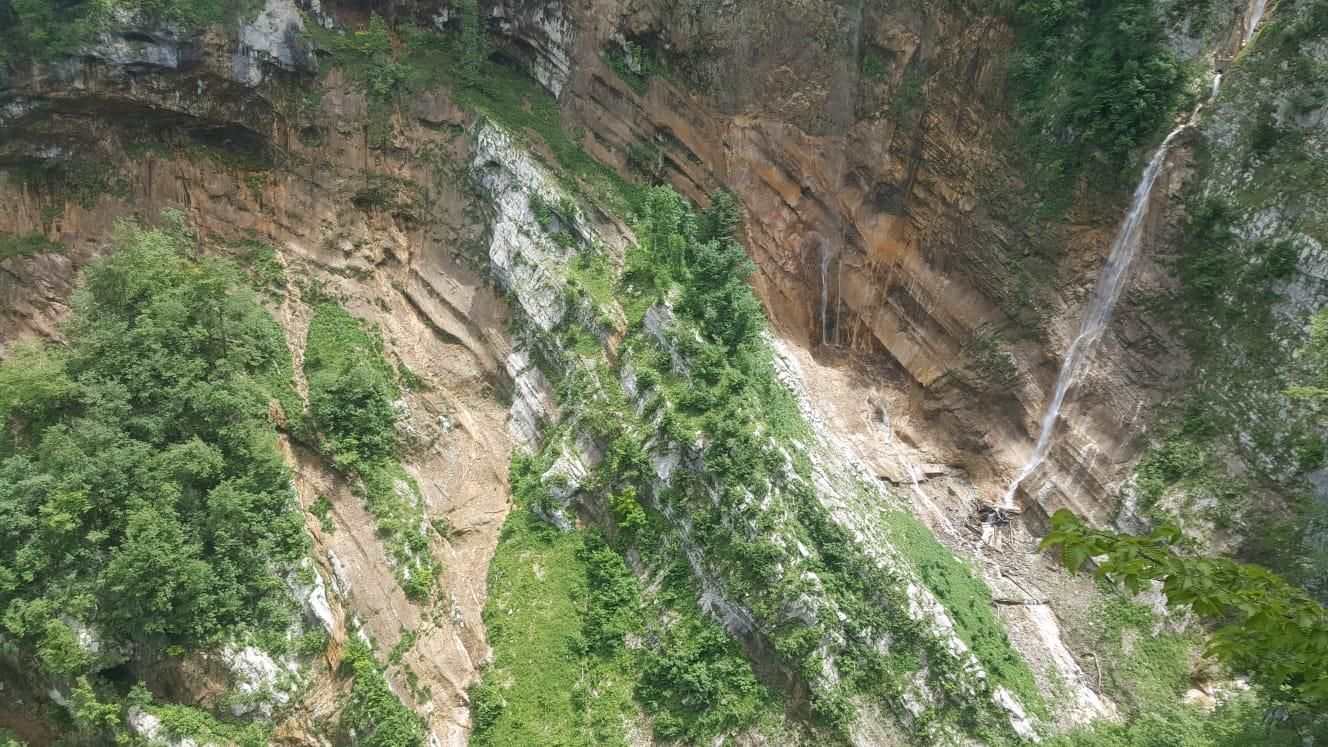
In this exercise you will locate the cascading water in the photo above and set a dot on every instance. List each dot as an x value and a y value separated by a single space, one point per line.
1109 282
1256 15
1099 310
826 257
1104 300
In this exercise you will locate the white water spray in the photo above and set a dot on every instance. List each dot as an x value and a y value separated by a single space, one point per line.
1256 15
1099 308
1109 282
826 256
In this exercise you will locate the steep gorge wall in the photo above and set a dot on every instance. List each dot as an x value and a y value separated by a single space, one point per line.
916 204
874 159
887 211
394 234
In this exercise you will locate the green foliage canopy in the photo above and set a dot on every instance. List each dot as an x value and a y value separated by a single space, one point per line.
350 389
1314 390
1093 80
142 493
1263 626
373 711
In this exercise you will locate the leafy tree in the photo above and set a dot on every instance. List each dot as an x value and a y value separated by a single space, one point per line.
1094 80
93 718
373 711
1263 626
721 220
142 493
472 43
1314 390
34 386
59 649
350 389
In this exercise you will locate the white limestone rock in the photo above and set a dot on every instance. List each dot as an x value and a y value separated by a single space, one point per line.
153 732
271 39
262 683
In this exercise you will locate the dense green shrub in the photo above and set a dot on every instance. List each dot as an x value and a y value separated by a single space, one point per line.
1094 80
699 683
706 261
351 389
13 245
373 711
1263 627
141 488
612 609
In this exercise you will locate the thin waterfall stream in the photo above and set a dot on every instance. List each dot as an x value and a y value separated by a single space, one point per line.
1109 282
826 257
1107 290
1099 308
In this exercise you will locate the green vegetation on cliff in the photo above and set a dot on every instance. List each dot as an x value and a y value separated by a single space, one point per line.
43 30
142 494
704 387
426 60
373 714
1232 455
350 389
1094 81
558 677
564 605
1262 626
27 244
351 396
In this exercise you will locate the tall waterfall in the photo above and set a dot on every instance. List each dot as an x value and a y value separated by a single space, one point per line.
1109 282
826 257
1099 308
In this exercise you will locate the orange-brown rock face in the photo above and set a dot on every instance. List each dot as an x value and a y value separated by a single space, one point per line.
885 211
871 150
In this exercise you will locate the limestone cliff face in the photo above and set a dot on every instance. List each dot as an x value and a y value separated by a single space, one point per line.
885 208
885 212
1249 195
